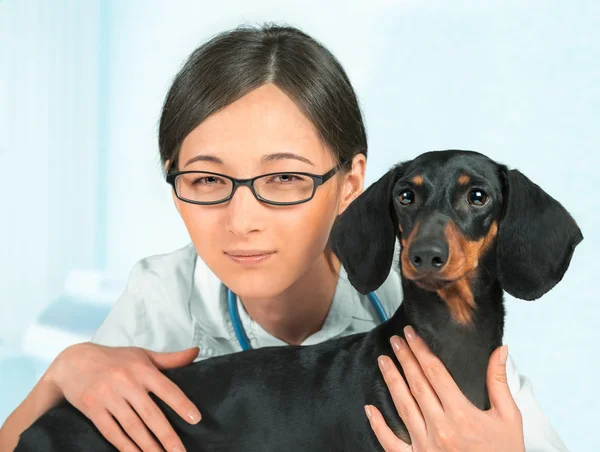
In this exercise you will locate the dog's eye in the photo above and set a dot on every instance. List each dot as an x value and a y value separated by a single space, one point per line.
407 197
477 197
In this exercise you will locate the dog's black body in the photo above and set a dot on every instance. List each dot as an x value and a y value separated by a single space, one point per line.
461 252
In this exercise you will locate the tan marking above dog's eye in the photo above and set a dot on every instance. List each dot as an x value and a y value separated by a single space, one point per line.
464 179
417 180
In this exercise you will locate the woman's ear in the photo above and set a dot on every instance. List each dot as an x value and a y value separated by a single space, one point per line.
354 182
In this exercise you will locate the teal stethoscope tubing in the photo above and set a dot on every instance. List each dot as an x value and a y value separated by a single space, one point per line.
234 315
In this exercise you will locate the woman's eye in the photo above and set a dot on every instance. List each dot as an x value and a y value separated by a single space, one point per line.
286 178
407 197
477 197
207 180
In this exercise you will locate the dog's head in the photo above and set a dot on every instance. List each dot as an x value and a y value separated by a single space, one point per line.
451 209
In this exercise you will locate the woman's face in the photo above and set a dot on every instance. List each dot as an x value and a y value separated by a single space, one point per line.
262 132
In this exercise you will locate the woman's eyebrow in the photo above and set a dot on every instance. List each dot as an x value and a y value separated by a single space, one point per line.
266 158
285 156
204 158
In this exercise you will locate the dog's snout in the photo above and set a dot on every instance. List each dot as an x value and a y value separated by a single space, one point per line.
428 256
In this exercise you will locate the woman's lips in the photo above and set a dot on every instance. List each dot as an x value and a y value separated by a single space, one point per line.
249 256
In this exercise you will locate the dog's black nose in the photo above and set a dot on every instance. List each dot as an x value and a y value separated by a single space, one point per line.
428 255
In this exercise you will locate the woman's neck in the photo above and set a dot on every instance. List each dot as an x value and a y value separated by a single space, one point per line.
300 310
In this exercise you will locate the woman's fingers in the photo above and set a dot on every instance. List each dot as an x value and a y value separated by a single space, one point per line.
115 381
386 437
172 395
146 414
433 368
165 389
109 428
501 398
420 388
135 426
170 360
405 404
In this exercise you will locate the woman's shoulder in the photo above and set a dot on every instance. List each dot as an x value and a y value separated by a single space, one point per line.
165 277
180 287
178 263
155 303
179 280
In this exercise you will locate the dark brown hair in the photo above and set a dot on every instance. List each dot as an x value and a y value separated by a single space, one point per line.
235 62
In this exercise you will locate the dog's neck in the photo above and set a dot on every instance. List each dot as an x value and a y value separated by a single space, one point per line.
464 347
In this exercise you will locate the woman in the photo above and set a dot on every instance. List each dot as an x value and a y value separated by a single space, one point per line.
248 103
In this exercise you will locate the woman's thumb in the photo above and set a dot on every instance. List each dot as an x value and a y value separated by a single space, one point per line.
170 360
497 383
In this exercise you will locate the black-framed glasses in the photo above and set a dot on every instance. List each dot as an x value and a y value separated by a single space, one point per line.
280 189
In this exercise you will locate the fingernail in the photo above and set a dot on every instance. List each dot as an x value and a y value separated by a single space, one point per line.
178 449
409 332
396 342
368 411
503 354
382 363
194 416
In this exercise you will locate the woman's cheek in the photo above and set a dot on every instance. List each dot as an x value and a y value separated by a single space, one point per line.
204 231
308 233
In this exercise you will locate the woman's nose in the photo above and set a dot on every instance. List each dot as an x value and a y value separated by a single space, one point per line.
245 213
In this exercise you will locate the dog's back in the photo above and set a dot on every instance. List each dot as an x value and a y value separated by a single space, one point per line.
233 392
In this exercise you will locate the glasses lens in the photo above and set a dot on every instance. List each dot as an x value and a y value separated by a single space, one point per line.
284 187
203 187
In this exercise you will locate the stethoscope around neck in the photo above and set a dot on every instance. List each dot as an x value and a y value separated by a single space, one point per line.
238 328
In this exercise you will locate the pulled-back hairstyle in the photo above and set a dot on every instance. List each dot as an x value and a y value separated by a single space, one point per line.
235 62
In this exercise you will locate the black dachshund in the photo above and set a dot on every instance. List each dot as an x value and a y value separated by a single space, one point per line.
468 227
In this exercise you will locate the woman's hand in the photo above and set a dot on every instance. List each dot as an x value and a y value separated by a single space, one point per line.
436 413
110 386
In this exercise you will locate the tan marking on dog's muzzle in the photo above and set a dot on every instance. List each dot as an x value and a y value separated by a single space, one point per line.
463 260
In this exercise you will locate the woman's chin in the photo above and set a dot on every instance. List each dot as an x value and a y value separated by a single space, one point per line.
254 285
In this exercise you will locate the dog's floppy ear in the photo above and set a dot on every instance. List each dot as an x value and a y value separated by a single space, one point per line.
536 238
364 235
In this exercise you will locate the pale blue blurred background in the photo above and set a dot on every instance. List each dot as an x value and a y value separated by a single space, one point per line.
81 191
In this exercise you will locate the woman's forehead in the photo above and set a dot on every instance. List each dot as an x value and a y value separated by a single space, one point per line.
263 127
